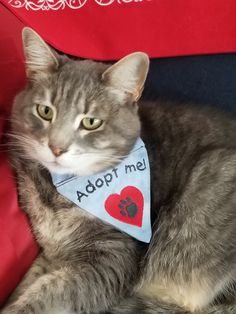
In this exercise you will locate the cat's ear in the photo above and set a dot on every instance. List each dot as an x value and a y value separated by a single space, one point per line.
40 59
128 75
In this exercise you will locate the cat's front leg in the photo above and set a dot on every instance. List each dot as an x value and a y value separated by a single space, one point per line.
50 291
17 309
87 287
39 268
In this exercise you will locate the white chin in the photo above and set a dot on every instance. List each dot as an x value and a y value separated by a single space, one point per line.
60 169
56 168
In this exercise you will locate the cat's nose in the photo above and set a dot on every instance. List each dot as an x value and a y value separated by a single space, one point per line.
57 151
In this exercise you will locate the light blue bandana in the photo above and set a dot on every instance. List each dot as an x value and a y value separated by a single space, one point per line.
118 196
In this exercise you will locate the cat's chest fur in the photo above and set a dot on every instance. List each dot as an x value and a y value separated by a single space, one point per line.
60 227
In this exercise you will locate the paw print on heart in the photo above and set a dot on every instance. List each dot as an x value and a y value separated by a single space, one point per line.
128 207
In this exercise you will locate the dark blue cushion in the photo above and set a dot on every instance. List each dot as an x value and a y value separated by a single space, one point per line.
209 79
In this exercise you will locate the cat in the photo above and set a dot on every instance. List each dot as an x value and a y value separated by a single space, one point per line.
83 117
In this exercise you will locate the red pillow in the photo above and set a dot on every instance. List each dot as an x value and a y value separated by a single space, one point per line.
17 246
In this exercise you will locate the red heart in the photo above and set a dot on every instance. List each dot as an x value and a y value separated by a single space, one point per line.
126 206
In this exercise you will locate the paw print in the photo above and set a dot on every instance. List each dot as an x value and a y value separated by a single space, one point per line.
128 207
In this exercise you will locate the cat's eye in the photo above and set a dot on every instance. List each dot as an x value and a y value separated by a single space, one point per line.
45 112
91 123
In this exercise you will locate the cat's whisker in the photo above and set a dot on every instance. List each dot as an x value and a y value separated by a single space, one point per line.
21 139
9 121
17 135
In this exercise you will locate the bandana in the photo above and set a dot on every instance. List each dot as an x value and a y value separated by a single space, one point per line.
119 196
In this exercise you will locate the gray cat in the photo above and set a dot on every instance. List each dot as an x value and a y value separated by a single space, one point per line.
82 117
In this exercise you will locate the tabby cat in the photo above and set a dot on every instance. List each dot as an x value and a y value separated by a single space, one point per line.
82 117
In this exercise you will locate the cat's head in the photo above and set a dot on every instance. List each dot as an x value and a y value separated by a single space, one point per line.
77 117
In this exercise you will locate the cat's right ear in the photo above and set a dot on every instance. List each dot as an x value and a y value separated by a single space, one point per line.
40 59
128 75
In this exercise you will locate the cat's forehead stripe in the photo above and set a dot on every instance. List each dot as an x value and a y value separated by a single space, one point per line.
48 97
91 107
66 92
79 101
63 90
69 93
43 99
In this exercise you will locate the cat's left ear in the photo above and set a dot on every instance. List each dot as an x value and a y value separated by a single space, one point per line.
40 58
128 75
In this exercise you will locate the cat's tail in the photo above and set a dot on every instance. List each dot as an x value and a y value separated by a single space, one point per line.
138 305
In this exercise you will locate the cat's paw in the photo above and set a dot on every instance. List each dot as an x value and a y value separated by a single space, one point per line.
7 310
14 309
128 207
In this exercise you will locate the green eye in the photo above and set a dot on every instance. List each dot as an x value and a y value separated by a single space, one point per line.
91 123
45 112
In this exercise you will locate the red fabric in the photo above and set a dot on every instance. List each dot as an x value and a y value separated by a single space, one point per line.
158 27
11 59
17 247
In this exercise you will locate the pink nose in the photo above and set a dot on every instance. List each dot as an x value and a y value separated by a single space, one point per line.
56 150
